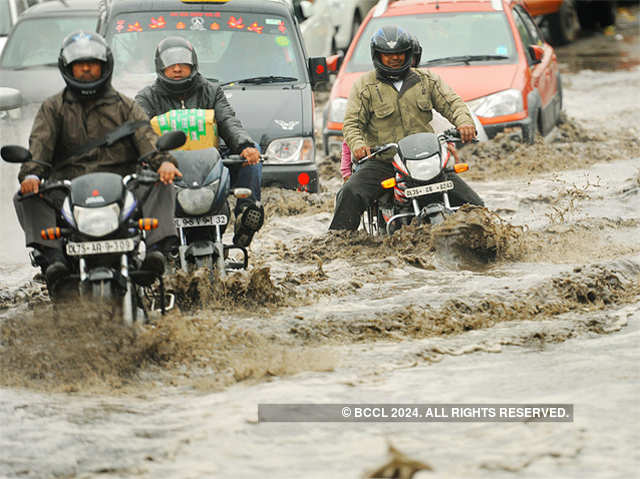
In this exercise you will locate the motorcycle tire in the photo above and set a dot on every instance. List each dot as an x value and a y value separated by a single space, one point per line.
101 290
203 262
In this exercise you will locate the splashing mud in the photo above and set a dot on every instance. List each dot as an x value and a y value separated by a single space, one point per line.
399 466
593 287
86 351
281 202
476 236
573 147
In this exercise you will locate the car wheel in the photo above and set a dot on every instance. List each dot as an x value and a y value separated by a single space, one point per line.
564 24
534 128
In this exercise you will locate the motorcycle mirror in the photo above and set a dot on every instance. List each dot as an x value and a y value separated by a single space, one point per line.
15 154
10 98
241 193
171 140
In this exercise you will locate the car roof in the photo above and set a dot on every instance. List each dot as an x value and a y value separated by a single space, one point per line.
58 7
406 7
253 6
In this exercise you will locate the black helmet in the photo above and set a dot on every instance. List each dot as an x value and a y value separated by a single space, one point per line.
87 46
417 51
174 50
391 39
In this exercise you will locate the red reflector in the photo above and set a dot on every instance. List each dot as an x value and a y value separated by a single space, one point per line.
303 179
320 69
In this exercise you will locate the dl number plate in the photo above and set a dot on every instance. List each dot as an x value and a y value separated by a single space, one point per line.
201 221
428 189
87 248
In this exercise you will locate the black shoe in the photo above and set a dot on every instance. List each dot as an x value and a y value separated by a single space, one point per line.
155 262
56 272
248 222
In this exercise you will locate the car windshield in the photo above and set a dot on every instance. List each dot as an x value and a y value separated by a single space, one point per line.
230 46
36 41
477 34
5 19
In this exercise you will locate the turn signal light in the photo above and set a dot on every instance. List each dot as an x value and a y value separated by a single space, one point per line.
50 233
460 167
147 223
388 183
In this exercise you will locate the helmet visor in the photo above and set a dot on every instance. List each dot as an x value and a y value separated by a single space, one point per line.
84 47
174 55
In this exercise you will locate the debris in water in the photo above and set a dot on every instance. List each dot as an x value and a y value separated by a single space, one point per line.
400 466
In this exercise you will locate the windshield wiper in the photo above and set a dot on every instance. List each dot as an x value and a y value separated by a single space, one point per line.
262 79
467 59
27 67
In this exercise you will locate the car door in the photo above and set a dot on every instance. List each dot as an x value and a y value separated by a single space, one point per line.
531 35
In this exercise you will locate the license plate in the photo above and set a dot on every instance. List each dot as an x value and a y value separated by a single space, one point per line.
100 247
201 221
428 189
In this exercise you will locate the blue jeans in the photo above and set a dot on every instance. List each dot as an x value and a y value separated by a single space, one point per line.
249 176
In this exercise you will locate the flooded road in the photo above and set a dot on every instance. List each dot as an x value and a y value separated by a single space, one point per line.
545 310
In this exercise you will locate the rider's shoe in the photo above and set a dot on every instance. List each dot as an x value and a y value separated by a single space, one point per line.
155 262
55 272
248 221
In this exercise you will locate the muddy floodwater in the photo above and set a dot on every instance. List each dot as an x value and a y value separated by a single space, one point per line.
533 299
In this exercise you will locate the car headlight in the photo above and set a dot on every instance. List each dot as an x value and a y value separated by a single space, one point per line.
337 110
198 201
424 169
506 102
290 150
97 222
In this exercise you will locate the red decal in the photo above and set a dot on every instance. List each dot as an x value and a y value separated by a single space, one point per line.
215 26
255 28
95 193
236 23
180 26
159 23
136 27
282 28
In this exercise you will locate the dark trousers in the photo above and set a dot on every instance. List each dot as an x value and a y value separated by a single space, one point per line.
35 215
248 176
364 187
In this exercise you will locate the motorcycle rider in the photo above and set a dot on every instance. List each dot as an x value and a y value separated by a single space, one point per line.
179 85
386 105
69 133
345 162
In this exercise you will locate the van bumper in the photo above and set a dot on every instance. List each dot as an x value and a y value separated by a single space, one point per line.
301 177
520 130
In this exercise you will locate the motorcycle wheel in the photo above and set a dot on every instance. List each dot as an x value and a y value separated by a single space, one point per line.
101 290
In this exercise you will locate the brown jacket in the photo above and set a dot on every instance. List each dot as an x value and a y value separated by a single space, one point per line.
378 114
63 125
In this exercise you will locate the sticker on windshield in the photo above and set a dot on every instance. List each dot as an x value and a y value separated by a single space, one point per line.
501 50
197 23
272 21
282 41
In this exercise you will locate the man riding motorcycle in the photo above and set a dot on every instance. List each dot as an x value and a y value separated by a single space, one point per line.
90 127
386 105
179 85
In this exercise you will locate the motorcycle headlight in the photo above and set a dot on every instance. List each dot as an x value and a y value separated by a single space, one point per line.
337 110
424 169
97 222
290 150
506 102
198 201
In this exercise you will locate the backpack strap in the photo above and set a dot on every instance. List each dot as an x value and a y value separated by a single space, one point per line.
111 137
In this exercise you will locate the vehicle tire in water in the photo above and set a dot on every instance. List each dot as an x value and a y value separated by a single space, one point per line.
564 24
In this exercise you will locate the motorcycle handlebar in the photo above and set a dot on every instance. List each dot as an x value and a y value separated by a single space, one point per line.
452 134
233 160
45 187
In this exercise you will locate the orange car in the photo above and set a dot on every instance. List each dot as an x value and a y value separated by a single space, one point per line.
490 52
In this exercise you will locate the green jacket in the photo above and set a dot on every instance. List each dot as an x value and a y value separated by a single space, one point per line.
63 124
377 113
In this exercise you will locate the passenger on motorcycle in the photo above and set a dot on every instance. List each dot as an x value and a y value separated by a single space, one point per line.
69 133
179 85
386 105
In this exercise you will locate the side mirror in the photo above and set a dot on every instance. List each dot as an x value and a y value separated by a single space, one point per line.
171 140
537 53
334 62
10 99
318 72
307 8
15 154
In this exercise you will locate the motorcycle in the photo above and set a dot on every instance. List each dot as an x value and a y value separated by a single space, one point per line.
104 235
202 210
418 192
